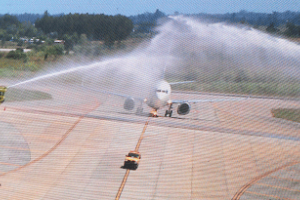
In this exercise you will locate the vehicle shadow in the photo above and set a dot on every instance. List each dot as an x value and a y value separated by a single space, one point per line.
128 167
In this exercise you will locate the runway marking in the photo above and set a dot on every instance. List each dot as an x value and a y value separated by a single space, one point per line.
278 187
21 149
142 135
49 137
293 170
123 184
288 179
244 188
252 119
266 195
10 164
128 171
50 150
57 144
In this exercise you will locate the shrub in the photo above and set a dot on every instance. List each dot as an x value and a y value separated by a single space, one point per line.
2 55
55 50
31 66
18 54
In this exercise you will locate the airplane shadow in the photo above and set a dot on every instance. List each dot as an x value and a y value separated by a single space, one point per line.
144 114
136 114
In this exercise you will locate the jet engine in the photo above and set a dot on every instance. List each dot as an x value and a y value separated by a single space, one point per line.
183 109
129 104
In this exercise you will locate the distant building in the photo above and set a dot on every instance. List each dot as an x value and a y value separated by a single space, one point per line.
59 42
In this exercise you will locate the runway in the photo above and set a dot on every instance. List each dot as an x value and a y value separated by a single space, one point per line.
70 147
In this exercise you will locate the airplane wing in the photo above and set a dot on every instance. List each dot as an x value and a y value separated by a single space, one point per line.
206 100
118 94
174 83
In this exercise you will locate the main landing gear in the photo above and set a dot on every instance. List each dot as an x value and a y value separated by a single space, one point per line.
169 111
139 109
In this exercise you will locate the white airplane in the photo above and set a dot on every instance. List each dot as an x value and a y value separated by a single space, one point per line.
159 97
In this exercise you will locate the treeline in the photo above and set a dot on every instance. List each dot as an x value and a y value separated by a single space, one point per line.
292 30
26 17
12 28
145 23
255 19
8 20
147 17
95 26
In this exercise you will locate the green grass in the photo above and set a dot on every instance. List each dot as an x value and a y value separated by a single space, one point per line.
14 94
288 114
216 80
246 88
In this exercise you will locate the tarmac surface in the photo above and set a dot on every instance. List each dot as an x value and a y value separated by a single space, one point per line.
70 147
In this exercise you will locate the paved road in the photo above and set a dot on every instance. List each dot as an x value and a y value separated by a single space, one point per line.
8 50
70 147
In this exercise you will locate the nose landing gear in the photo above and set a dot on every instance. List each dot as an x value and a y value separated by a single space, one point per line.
169 111
139 109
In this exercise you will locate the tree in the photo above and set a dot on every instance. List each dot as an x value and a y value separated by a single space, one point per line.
123 27
12 29
55 50
27 29
271 28
68 42
8 20
100 27
292 29
83 39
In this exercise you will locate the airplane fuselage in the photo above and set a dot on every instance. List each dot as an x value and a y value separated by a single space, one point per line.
160 96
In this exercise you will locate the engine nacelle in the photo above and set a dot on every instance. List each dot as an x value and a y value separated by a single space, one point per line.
183 109
129 104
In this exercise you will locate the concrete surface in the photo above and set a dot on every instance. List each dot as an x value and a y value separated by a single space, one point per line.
69 147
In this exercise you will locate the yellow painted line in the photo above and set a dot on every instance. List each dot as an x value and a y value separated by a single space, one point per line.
288 179
142 135
67 133
48 137
293 170
266 195
29 119
10 164
274 186
123 184
244 188
21 149
128 171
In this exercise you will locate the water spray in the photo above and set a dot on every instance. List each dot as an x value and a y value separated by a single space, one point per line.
192 50
58 73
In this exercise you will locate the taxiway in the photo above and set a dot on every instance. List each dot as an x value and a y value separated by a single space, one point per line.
69 147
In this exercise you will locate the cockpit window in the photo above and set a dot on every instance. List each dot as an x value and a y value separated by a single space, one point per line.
163 91
133 155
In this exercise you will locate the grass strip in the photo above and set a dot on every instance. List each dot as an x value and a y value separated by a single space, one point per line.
14 94
287 113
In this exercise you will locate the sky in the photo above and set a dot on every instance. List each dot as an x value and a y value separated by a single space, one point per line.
134 7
